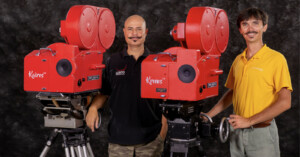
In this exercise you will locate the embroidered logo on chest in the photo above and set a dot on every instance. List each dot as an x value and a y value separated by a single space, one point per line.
259 69
121 72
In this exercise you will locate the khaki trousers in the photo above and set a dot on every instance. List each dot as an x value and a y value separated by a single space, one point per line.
255 142
151 149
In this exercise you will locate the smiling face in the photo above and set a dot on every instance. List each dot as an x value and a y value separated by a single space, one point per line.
252 23
135 31
252 29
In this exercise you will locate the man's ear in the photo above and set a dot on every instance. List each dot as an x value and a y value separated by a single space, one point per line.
265 27
146 30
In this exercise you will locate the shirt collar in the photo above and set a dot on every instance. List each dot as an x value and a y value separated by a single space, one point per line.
125 54
259 54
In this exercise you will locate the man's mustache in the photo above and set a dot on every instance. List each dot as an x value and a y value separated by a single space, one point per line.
134 37
251 32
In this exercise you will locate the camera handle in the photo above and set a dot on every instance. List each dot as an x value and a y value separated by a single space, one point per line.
168 53
100 120
224 130
208 117
47 49
97 67
216 72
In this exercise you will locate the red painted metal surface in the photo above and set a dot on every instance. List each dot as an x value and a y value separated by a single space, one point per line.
222 30
75 66
89 27
106 28
200 29
190 72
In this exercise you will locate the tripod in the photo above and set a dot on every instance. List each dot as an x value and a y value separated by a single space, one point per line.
75 141
181 145
185 127
66 113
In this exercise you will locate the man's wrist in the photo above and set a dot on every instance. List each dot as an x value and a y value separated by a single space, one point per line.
251 121
210 114
93 107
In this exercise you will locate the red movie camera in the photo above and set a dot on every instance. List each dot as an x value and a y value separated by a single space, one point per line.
75 66
189 72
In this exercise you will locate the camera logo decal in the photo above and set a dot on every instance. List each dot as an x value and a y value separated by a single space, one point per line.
151 81
33 75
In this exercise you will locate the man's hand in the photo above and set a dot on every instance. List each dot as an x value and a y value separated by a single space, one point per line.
92 118
164 127
237 122
204 118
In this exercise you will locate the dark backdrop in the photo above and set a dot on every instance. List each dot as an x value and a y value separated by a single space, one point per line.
26 25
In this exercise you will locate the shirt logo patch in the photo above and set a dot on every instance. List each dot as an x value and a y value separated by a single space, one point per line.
260 69
121 72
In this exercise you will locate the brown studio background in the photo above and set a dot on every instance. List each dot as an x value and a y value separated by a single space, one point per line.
26 25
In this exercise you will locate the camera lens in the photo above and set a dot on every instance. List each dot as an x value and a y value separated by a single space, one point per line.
186 73
64 67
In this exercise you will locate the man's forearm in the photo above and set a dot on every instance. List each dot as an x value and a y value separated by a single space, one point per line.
92 118
222 104
164 127
282 104
98 101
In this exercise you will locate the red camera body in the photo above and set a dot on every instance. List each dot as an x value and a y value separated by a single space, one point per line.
45 70
75 66
164 76
189 72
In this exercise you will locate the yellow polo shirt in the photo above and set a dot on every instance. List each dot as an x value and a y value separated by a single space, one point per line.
255 82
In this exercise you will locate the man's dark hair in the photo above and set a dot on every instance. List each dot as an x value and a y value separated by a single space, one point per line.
252 12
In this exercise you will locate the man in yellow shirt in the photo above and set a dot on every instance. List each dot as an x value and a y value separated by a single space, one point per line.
259 88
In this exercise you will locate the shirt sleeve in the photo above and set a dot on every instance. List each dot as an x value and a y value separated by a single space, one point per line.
230 78
282 76
106 85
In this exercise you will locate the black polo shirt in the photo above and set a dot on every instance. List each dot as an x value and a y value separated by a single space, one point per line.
133 120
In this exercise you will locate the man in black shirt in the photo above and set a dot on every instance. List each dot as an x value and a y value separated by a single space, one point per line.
136 125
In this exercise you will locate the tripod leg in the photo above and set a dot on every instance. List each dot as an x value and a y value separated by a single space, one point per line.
90 150
72 151
171 154
67 151
201 151
84 151
76 152
65 143
45 151
79 151
51 139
